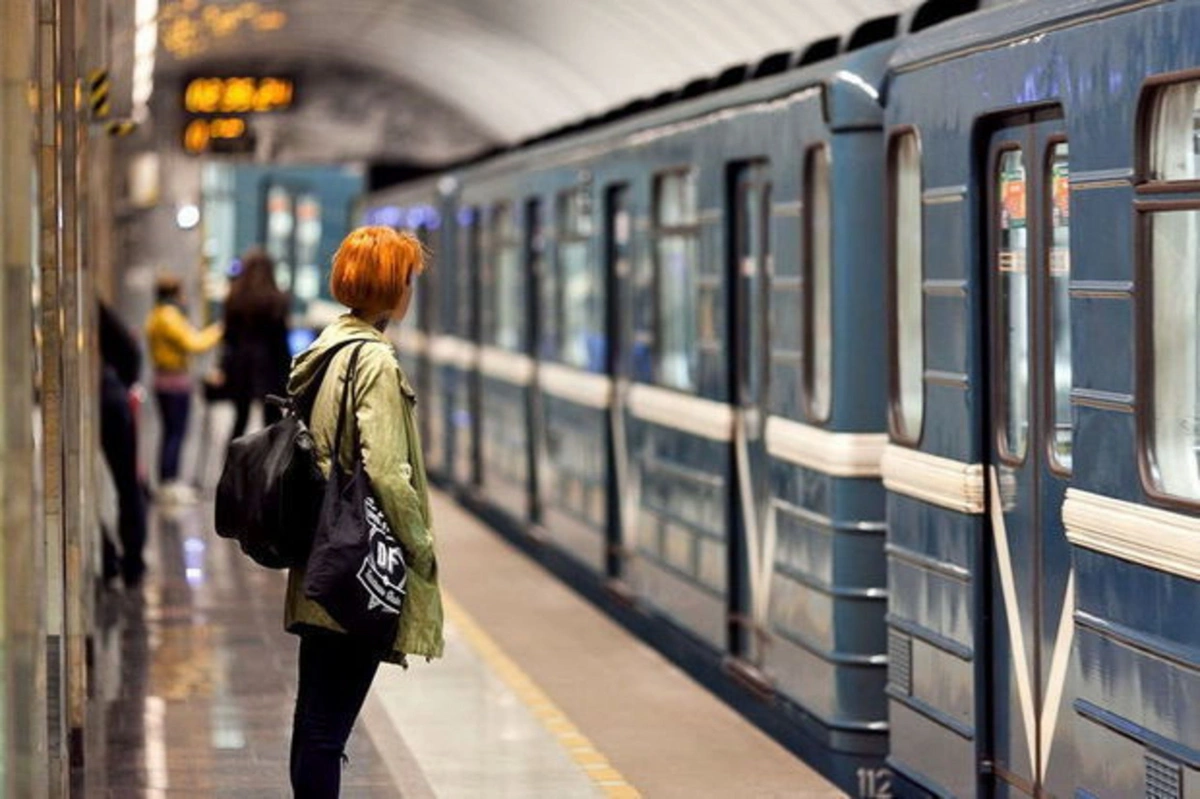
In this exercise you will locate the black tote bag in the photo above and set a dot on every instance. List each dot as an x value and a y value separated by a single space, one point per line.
356 570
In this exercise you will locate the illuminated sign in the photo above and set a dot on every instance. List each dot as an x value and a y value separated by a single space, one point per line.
217 109
218 134
239 95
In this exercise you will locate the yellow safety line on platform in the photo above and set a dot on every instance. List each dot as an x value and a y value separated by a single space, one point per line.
594 764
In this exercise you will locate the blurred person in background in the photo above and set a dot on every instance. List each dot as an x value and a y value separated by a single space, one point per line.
256 358
121 367
172 341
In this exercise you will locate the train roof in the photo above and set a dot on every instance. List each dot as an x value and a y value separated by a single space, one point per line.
861 58
1000 25
863 67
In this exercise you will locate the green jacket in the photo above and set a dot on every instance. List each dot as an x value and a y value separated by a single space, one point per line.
391 450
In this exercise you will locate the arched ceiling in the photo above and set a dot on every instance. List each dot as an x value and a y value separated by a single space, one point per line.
503 69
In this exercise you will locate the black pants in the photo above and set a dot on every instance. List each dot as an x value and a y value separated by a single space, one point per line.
118 439
335 674
174 407
271 413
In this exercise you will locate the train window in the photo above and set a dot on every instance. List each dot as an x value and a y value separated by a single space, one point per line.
424 306
465 269
750 232
907 282
1012 279
508 296
307 285
1059 261
818 262
1175 137
1174 250
620 225
785 327
675 251
486 299
545 319
281 226
1175 260
580 288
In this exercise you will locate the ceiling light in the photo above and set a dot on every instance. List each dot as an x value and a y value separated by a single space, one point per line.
187 217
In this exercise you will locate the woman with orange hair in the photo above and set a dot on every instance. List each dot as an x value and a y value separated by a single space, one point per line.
373 274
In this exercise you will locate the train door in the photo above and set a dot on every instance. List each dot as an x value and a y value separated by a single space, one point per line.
1029 444
541 326
749 276
504 371
618 254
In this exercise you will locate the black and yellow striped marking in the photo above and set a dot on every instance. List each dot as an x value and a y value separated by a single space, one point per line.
99 93
120 127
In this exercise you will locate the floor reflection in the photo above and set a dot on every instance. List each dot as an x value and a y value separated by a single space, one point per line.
195 678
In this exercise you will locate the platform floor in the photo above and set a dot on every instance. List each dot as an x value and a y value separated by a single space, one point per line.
539 695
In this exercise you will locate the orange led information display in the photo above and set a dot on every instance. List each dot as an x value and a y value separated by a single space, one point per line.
242 95
204 135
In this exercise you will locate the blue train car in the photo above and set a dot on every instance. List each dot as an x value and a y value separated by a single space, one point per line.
673 314
1042 473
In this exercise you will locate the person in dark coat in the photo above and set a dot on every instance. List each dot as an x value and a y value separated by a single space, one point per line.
256 359
121 366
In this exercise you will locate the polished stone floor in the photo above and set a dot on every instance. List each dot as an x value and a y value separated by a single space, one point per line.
196 679
539 696
195 682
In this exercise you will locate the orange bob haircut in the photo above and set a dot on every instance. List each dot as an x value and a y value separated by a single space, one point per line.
373 266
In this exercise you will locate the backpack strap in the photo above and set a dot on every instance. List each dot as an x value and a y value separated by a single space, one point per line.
303 402
349 398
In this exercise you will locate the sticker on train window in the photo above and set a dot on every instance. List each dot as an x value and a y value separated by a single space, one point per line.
1012 193
1060 304
1011 245
1060 221
1061 192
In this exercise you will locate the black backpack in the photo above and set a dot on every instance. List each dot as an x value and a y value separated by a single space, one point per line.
270 492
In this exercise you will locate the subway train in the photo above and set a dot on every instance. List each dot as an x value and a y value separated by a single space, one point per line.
863 384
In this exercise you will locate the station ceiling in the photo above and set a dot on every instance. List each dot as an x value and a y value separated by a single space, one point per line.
441 78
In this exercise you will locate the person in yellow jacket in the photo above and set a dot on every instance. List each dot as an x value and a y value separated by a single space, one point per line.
172 340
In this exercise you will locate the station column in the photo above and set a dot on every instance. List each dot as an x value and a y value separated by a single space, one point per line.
23 739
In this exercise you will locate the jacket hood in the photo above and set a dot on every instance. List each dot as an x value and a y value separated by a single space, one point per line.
306 367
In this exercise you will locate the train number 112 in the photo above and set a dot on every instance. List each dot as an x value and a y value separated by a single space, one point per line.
874 783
